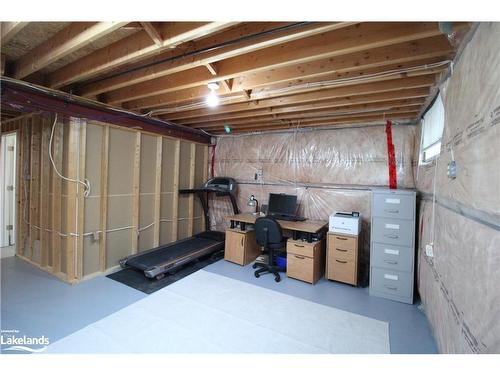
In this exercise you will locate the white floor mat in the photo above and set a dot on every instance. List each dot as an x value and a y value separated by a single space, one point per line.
209 313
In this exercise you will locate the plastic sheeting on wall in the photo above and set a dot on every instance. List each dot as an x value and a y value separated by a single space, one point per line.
348 156
329 170
459 285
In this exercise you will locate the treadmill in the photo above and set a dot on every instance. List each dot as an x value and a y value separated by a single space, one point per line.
168 258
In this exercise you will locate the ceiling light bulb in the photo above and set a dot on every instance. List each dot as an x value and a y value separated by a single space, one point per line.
213 86
212 99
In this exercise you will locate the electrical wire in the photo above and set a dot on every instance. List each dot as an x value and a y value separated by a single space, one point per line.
309 85
85 182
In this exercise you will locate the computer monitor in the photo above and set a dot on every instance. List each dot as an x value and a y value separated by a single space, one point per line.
282 204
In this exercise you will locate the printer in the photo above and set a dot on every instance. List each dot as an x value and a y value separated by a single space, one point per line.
345 223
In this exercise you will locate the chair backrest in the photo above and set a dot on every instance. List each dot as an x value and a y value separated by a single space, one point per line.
268 231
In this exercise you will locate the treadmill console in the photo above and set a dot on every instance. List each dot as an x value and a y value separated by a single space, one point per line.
223 183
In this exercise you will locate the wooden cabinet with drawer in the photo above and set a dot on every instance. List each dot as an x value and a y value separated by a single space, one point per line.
305 261
342 258
241 247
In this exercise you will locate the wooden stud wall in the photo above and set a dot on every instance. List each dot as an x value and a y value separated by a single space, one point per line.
133 204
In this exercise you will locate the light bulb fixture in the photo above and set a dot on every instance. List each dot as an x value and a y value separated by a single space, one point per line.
213 86
212 99
227 128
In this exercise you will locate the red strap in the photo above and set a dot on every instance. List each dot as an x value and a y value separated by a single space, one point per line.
213 159
391 156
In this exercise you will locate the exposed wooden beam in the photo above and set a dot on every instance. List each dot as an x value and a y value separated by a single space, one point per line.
403 53
346 120
153 33
133 48
82 136
172 62
66 41
333 103
247 94
157 191
326 94
402 105
227 84
104 198
195 97
175 195
211 68
57 152
44 192
135 193
9 30
334 43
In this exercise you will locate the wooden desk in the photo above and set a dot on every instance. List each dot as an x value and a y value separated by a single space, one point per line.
305 260
308 227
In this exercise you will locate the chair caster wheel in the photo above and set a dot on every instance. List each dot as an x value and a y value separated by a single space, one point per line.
277 279
257 275
254 266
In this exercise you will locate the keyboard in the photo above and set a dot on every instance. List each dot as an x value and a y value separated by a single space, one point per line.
286 217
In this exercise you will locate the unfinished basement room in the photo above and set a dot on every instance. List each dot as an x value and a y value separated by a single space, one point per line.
211 184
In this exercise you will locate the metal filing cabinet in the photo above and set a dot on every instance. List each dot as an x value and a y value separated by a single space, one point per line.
392 248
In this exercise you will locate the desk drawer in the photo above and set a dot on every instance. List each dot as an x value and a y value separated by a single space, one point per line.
300 267
343 270
393 231
308 249
390 282
343 242
341 248
392 257
394 206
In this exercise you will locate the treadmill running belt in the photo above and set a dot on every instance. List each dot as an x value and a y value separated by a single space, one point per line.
136 279
169 252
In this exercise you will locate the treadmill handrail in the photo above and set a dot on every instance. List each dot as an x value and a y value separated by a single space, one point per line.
204 190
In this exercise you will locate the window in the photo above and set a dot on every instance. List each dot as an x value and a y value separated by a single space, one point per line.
432 131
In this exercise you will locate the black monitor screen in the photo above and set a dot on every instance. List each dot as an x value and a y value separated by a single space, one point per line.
282 204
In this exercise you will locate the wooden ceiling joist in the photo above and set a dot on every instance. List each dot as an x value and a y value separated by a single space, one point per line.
300 85
128 50
334 103
9 30
341 120
390 106
322 95
180 63
153 33
407 52
68 40
271 75
211 68
347 40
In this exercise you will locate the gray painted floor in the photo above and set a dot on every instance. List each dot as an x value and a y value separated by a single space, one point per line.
36 303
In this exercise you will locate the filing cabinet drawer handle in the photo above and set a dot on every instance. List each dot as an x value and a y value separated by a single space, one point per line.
341 238
391 287
242 241
297 245
340 249
391 261
299 257
391 236
340 261
392 211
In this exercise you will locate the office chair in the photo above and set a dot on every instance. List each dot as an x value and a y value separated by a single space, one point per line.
269 235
